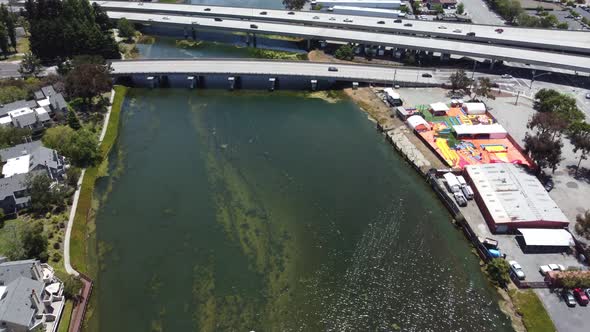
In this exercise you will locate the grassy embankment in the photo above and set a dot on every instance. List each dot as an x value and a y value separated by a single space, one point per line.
250 51
64 322
80 249
534 315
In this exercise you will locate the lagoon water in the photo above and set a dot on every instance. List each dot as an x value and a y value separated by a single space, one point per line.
240 211
258 211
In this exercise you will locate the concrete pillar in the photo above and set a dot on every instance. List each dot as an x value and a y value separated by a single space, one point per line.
309 44
254 40
492 62
193 33
248 38
192 82
272 83
445 56
314 85
355 85
232 82
152 82
185 33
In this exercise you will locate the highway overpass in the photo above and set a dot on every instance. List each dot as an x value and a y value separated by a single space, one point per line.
273 68
487 51
556 40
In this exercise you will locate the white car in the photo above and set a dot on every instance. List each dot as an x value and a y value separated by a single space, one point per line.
506 76
544 269
556 267
517 270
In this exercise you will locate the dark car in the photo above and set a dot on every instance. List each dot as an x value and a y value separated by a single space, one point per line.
217 19
471 34
548 184
569 299
253 26
381 22
263 13
332 68
207 9
581 296
408 24
397 21
291 13
499 30
427 75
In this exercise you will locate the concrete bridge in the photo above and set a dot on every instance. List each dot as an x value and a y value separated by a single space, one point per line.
268 73
446 47
547 39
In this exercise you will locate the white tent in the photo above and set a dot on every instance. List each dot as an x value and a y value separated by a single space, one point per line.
474 108
439 108
471 131
546 237
418 123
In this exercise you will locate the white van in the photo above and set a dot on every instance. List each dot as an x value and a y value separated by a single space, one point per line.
461 180
452 183
467 192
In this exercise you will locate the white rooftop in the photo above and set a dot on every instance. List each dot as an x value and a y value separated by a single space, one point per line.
44 102
546 237
5 120
440 106
494 128
512 195
18 165
20 112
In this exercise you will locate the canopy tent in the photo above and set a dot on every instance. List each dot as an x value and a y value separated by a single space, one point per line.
474 108
439 109
476 131
418 123
546 237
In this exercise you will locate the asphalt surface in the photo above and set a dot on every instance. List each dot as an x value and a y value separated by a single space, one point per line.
540 38
480 13
566 319
9 69
536 57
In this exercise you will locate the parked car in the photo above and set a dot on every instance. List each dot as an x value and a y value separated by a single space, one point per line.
490 243
581 296
408 24
569 299
331 68
467 192
506 76
499 30
548 184
471 34
263 13
381 22
217 19
556 267
588 96
397 21
544 269
427 75
460 199
253 26
588 292
516 269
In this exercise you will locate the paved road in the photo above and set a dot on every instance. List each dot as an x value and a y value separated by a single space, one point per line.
521 37
9 69
537 57
481 14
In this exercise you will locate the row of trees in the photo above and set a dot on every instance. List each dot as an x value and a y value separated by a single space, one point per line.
62 29
557 116
511 11
7 30
482 87
294 4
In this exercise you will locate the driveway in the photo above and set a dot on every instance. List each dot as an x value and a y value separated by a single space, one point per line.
480 13
9 69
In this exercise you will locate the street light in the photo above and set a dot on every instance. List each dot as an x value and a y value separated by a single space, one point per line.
535 76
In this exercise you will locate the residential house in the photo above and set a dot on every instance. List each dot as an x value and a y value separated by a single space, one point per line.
33 114
31 297
18 163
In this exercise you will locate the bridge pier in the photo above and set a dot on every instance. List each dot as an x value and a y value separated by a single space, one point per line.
192 82
445 56
272 82
254 40
314 85
308 44
185 33
193 33
232 83
355 85
492 62
153 81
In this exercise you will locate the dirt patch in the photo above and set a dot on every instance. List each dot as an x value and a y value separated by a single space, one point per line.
321 56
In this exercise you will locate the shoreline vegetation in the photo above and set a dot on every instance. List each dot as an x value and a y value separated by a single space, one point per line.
83 230
253 52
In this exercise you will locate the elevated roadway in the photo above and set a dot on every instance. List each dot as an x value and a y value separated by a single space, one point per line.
557 40
272 68
487 51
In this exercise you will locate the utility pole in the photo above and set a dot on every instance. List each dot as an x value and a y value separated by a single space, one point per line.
517 95
472 77
394 75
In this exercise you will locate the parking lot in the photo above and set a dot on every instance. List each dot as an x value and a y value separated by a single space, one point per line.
565 318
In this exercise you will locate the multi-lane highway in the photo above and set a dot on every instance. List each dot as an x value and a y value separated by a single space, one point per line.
560 40
486 51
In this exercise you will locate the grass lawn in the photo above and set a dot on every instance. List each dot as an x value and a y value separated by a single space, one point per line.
64 322
84 219
23 45
534 315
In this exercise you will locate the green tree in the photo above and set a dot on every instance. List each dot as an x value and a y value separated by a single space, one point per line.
416 7
499 271
294 4
460 8
58 138
44 195
459 80
72 287
484 88
73 120
583 224
548 21
563 26
549 124
579 136
547 100
9 21
11 93
4 40
72 176
80 146
10 136
544 150
438 8
344 52
27 242
30 65
88 80
126 29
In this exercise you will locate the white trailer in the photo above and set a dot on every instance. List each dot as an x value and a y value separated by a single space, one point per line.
452 183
